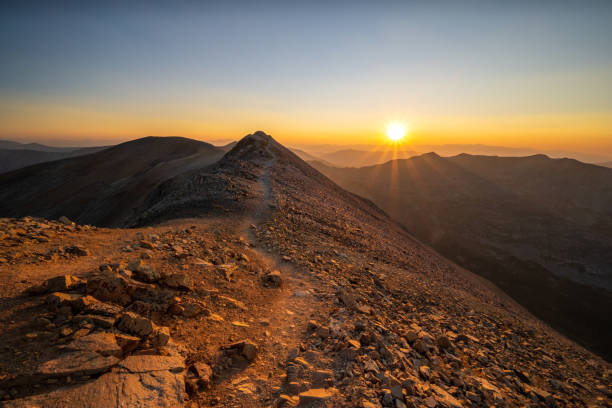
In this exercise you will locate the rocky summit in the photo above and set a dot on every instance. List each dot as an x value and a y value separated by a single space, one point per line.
255 281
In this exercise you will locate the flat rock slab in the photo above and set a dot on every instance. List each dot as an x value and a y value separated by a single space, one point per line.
102 343
138 381
77 363
149 364
316 395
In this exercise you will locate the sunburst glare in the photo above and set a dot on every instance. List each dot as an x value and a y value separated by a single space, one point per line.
396 131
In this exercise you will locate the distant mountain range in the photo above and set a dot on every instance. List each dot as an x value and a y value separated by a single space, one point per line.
540 228
14 155
359 158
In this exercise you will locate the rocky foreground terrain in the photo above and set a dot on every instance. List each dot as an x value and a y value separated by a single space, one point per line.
292 292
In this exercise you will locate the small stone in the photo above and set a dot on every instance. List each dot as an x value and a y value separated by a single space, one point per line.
193 309
126 342
272 279
160 336
146 244
444 343
203 373
285 400
65 220
425 371
245 348
77 250
323 332
354 343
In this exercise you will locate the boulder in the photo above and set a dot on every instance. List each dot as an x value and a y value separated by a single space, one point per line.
65 220
202 373
179 281
63 283
59 300
110 287
160 336
143 271
135 324
245 349
77 250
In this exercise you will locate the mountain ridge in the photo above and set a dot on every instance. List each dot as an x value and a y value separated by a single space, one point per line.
292 291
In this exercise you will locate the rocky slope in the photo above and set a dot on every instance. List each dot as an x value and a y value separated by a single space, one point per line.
539 228
291 292
103 188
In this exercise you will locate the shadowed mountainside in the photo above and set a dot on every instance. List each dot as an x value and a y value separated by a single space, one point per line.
101 188
539 228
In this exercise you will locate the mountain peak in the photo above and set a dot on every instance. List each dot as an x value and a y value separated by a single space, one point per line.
259 135
259 148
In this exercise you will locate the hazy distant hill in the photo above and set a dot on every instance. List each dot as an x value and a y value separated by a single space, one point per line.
367 155
359 158
14 155
607 164
11 145
539 228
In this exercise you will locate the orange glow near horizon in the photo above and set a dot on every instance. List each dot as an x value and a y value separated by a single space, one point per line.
590 132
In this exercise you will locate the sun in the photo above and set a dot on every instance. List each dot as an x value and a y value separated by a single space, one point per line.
396 131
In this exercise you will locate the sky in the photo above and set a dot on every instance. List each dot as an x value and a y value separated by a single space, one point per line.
534 74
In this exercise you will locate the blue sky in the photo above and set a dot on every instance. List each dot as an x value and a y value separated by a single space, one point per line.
455 71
